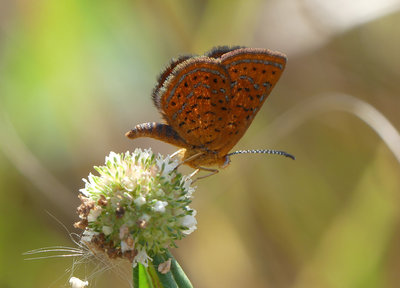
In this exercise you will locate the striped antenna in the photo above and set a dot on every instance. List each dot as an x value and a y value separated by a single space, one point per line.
265 151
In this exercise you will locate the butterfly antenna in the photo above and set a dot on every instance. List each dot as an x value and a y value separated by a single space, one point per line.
266 151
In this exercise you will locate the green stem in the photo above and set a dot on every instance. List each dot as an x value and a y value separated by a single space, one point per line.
154 277
180 277
167 279
141 277
149 277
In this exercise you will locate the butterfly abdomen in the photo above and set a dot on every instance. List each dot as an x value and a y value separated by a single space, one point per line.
157 131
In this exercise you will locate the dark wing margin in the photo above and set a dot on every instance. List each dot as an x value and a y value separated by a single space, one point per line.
218 51
164 76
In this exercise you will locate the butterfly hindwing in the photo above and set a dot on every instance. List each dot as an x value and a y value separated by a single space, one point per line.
164 76
194 100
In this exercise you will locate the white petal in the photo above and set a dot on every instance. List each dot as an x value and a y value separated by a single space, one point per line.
123 231
77 283
142 257
87 236
107 230
94 213
128 183
190 222
159 206
145 217
125 246
140 201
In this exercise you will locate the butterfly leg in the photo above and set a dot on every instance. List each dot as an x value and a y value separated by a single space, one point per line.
211 170
194 173
177 152
189 158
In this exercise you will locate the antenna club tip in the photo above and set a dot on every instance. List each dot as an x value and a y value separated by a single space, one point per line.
290 156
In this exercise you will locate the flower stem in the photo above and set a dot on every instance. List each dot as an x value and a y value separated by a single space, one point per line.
150 277
141 278
181 279
166 279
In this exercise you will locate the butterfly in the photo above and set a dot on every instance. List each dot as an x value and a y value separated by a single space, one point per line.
208 102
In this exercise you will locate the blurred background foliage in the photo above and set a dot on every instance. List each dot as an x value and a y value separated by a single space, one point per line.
76 75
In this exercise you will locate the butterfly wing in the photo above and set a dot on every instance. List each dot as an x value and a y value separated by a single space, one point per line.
218 51
194 100
164 76
210 101
253 74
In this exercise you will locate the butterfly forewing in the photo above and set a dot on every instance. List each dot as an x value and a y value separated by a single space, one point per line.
194 101
253 74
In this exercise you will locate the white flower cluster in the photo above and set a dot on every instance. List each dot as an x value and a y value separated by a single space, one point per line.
137 206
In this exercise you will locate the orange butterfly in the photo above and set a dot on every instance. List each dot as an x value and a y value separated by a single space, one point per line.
209 101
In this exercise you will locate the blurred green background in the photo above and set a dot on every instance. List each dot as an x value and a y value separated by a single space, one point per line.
76 75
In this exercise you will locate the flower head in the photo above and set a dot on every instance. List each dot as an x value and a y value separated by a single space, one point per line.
137 207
